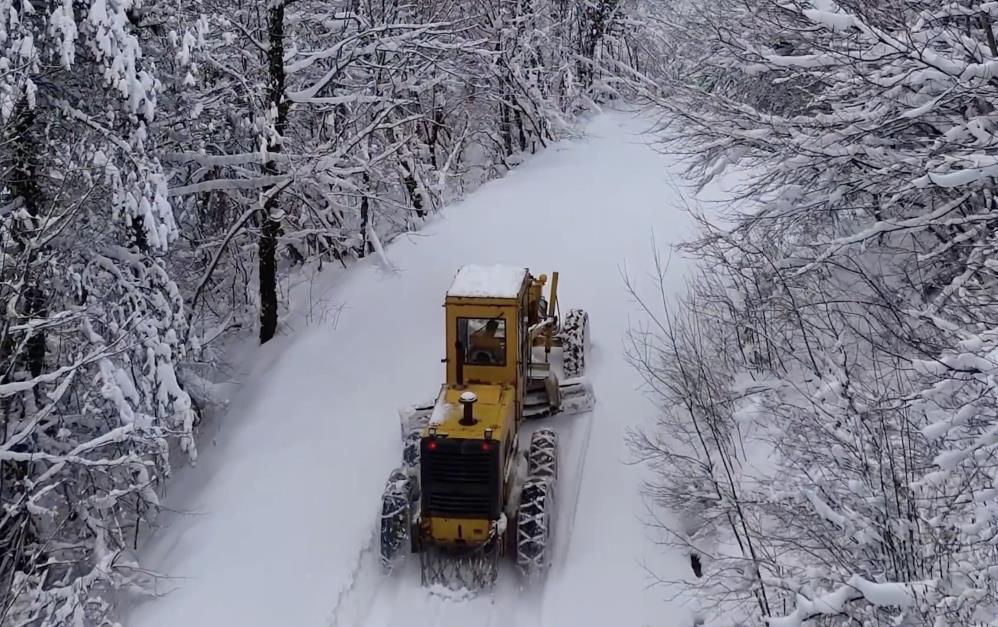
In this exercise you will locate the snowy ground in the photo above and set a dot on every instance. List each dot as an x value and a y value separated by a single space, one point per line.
279 515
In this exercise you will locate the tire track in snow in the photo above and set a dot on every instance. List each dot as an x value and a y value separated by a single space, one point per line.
359 574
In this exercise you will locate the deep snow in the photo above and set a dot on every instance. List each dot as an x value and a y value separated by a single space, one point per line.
279 514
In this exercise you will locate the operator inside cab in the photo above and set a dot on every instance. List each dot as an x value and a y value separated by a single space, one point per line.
487 345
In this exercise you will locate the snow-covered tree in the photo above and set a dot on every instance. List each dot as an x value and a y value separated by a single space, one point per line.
828 382
92 327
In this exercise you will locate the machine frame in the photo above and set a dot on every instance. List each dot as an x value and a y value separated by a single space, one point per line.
461 497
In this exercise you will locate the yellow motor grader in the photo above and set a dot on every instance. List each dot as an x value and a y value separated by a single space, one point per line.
468 492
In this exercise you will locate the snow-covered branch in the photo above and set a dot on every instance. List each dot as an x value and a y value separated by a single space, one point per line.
835 603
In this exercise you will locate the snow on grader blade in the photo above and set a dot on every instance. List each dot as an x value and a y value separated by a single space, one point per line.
475 485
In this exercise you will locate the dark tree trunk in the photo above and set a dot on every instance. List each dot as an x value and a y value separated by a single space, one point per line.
413 189
365 216
268 278
519 129
34 301
433 134
506 124
505 129
269 226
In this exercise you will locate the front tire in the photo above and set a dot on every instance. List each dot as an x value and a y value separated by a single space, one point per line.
574 336
542 456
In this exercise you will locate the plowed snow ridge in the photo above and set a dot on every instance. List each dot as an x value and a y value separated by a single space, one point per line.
284 505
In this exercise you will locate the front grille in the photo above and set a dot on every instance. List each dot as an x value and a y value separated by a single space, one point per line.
459 479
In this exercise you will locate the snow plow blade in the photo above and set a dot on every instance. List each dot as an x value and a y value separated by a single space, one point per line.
576 396
571 396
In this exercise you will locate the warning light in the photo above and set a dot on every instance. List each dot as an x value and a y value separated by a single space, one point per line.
431 445
486 446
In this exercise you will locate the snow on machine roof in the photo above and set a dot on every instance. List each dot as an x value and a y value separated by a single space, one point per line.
496 281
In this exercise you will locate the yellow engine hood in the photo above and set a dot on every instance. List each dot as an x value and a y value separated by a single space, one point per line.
493 403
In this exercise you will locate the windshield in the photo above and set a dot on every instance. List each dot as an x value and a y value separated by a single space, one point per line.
484 340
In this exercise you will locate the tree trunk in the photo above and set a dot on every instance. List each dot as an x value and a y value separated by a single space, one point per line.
270 225
413 188
268 277
506 128
519 129
365 218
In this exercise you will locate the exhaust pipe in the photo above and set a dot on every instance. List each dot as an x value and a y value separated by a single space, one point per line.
468 401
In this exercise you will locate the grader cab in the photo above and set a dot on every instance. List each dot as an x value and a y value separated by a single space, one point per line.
467 492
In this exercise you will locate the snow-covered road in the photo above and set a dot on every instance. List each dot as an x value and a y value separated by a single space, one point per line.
284 505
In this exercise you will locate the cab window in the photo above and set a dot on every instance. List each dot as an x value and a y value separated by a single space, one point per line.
483 340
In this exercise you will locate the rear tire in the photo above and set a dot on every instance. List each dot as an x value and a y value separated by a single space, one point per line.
533 526
574 337
395 517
